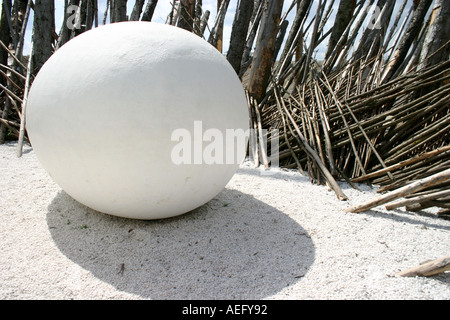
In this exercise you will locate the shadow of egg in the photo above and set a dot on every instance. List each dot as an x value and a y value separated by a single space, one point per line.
233 247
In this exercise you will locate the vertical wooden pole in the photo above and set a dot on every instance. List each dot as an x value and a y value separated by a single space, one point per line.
239 34
265 49
219 45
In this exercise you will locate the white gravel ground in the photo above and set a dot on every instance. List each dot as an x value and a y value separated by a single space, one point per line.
263 237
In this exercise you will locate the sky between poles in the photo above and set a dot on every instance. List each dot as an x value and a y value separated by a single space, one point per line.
163 9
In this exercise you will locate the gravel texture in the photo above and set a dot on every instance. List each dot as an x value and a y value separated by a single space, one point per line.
267 235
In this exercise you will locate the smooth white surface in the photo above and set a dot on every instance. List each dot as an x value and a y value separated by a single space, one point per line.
102 110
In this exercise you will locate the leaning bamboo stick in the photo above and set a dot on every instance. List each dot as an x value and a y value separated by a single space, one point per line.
253 139
24 105
9 123
10 93
261 136
333 184
9 80
433 189
418 199
408 189
402 164
338 105
443 203
13 71
428 268
421 172
360 127
325 128
294 156
19 48
12 55
445 213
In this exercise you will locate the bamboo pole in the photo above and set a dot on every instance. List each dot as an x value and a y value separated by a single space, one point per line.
418 199
428 268
408 189
13 55
24 105
401 164
260 135
10 93
333 184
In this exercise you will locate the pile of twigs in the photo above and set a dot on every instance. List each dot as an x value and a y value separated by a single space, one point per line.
389 135
374 111
372 130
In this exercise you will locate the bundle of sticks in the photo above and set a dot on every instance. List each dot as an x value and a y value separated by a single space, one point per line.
348 127
432 191
373 111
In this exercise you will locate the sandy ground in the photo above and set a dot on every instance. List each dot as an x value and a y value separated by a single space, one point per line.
262 237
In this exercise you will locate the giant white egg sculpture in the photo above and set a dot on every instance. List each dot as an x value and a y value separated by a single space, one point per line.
138 119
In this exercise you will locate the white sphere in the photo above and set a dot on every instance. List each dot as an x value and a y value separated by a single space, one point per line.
107 111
